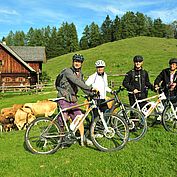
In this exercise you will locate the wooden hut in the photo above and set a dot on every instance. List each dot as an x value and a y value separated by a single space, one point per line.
20 65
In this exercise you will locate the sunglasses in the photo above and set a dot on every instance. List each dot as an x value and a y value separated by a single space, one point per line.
138 61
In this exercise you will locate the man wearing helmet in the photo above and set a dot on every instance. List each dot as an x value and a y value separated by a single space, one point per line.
67 84
168 78
137 81
98 81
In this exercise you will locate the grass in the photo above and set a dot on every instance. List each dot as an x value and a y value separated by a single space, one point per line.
153 156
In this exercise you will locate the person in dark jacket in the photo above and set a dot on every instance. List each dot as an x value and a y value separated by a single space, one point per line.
167 79
67 84
137 81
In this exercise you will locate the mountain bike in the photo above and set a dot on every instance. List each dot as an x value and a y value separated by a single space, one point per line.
162 109
108 132
134 118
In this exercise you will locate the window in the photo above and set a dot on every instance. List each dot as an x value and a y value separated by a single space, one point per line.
1 62
20 79
7 79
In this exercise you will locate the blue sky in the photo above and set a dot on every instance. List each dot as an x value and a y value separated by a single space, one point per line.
20 15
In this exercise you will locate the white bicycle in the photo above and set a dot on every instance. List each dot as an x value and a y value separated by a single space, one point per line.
162 109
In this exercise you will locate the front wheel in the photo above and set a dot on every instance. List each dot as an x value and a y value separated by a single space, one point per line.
169 119
42 136
136 122
114 138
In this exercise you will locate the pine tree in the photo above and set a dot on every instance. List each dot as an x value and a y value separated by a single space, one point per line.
94 35
158 28
74 44
106 30
174 26
129 25
142 26
10 39
85 39
116 29
19 38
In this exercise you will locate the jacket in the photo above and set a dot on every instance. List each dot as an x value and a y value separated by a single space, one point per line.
137 79
164 79
100 83
67 83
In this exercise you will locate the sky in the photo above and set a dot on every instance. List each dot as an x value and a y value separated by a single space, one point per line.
20 15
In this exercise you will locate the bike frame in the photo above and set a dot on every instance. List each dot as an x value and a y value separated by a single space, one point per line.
92 105
154 104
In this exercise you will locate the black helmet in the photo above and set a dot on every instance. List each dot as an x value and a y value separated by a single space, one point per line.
173 60
138 58
78 57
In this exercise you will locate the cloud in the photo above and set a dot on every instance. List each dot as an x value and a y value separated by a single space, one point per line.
8 11
166 15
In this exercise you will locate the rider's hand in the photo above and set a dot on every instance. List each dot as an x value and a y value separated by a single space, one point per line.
136 91
95 91
172 86
156 88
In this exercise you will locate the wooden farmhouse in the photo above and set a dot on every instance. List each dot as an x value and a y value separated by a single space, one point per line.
20 65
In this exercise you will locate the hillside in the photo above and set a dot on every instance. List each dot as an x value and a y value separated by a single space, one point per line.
118 56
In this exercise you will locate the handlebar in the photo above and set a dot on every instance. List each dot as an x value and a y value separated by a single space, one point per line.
118 90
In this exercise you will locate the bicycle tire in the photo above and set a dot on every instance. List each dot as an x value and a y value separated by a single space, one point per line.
113 140
42 136
136 122
169 120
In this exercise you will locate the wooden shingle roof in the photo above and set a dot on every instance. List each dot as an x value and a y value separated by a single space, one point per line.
28 53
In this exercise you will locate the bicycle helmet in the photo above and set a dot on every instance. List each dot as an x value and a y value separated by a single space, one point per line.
138 58
78 57
173 60
100 63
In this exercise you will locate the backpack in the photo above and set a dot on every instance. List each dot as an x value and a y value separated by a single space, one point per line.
59 78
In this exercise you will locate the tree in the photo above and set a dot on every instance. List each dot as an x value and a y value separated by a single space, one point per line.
129 25
174 26
116 29
19 38
106 30
159 28
94 35
10 39
74 44
85 39
142 26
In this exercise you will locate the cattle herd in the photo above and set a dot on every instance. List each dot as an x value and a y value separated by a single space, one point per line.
20 115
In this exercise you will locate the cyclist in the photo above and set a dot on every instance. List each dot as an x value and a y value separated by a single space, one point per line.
67 84
137 81
99 81
168 78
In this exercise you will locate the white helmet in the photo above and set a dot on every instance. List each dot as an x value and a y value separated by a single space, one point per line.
100 63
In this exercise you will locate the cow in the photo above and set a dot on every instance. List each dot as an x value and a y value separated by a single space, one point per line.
42 108
23 117
7 117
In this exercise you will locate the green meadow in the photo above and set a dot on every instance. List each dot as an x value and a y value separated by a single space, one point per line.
152 156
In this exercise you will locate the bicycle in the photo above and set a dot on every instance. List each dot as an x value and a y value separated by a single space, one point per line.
108 132
134 118
162 108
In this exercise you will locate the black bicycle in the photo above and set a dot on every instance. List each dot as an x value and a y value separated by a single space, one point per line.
135 119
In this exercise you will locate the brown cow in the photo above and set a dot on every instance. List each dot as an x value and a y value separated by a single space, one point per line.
23 117
7 117
42 108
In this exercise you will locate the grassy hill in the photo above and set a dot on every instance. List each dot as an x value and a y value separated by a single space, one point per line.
153 156
118 56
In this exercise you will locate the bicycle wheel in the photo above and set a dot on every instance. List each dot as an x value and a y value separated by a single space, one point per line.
42 136
112 139
169 119
136 123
